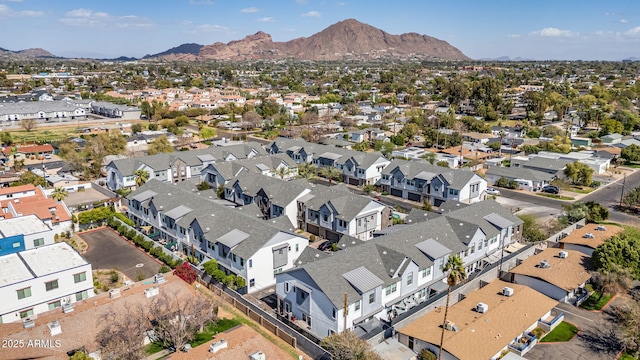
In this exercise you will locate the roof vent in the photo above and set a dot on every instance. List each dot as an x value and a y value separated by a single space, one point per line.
563 254
544 264
507 291
482 308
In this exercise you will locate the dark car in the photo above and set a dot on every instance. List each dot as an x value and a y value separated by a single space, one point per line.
551 190
325 246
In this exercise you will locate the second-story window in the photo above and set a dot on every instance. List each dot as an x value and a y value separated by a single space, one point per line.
372 298
410 279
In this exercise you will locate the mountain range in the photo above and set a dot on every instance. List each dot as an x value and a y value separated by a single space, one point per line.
348 39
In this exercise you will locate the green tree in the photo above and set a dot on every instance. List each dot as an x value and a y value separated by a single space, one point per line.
632 198
136 128
597 212
159 145
631 153
579 173
330 173
531 229
281 171
142 176
610 126
454 268
307 171
59 193
6 138
207 133
102 145
348 346
28 177
621 250
442 163
430 157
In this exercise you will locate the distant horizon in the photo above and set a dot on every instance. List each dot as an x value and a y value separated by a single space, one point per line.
572 30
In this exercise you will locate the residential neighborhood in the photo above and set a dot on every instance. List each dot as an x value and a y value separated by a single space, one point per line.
413 208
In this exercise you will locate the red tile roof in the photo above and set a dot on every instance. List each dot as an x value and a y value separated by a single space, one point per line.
35 149
16 189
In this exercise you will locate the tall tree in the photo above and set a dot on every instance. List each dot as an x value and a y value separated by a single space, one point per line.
102 145
159 145
330 173
348 346
59 193
142 176
29 124
456 273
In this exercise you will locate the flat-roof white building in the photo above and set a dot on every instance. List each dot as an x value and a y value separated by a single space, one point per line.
27 231
42 279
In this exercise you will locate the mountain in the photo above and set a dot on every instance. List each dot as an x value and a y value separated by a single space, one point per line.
31 53
191 48
348 39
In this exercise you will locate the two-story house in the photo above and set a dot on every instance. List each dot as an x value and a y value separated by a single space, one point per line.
384 277
176 167
331 212
238 239
421 181
278 165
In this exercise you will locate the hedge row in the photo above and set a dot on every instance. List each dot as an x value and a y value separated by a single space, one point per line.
147 245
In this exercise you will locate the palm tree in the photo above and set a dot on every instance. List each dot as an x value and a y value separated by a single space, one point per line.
307 171
281 171
330 173
142 177
456 274
59 193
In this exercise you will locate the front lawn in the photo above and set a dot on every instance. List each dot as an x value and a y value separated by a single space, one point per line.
554 196
562 333
595 302
212 329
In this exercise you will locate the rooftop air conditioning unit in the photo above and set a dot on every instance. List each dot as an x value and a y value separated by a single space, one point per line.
29 322
563 254
482 308
451 326
258 355
507 291
544 264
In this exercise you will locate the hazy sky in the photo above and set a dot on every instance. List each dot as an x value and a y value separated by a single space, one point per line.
540 29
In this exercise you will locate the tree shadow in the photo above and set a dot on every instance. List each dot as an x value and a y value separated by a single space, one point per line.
603 343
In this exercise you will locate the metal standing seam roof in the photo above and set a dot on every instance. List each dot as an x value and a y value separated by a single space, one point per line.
433 249
145 195
233 238
498 221
362 279
178 212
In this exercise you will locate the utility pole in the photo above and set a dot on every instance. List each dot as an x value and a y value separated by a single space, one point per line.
346 311
622 192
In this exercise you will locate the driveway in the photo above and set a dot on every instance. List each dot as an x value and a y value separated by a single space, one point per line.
596 339
107 250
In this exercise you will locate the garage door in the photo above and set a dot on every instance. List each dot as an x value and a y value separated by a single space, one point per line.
314 229
414 196
353 181
396 192
332 236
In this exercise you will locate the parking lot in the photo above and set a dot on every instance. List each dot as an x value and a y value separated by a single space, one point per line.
107 250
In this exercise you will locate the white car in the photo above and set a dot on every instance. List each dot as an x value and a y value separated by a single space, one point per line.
492 191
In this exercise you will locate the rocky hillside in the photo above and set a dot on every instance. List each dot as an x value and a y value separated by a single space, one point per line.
27 53
348 39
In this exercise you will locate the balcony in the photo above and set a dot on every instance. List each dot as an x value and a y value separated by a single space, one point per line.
550 322
523 344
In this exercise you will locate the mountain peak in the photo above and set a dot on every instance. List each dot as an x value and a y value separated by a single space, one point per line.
348 38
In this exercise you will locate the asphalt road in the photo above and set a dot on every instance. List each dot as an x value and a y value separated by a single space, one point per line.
107 250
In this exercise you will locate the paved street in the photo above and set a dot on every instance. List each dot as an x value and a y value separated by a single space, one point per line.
107 250
595 341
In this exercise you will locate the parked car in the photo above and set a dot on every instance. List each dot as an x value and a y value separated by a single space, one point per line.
492 191
325 246
550 189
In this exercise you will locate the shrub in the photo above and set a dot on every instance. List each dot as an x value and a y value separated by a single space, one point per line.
240 282
229 280
122 217
426 354
312 238
538 332
210 266
506 183
186 273
219 275
164 269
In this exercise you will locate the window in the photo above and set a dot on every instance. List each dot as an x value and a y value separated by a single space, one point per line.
372 298
24 293
82 295
79 277
51 285
333 313
54 305
286 286
356 306
297 247
410 279
426 272
38 242
252 282
16 244
234 257
24 314
391 289
479 245
241 262
441 264
453 192
250 263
